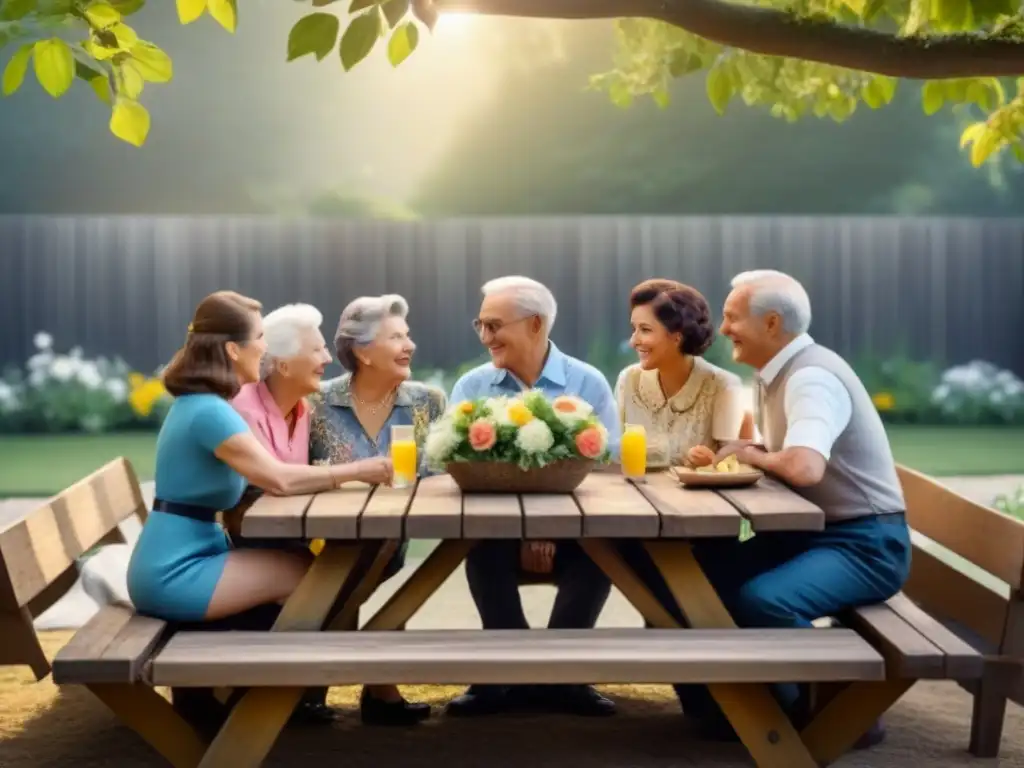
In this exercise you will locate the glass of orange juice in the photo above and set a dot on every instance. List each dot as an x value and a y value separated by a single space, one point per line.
633 451
403 455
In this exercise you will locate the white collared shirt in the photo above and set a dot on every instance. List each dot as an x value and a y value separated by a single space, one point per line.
818 407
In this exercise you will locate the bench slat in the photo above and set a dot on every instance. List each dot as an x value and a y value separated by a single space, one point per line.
962 662
908 654
111 648
243 659
771 506
689 512
613 508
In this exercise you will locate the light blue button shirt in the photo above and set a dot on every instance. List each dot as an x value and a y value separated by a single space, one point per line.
562 375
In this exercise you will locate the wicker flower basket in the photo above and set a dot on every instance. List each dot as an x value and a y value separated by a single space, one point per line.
504 477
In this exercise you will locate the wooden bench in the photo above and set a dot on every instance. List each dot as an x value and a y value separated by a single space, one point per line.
982 606
262 659
39 551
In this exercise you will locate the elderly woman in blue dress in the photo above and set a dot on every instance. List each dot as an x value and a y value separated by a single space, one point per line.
352 419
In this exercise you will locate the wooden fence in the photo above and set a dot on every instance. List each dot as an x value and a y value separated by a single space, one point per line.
948 290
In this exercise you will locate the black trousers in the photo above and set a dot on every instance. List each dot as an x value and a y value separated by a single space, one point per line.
493 572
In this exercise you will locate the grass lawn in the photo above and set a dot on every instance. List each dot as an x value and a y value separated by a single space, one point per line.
43 465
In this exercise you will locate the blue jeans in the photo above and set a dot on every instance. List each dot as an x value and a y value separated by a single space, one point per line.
789 579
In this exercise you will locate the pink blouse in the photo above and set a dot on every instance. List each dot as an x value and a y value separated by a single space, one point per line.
256 405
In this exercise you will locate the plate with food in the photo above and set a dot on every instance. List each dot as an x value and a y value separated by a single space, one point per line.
727 473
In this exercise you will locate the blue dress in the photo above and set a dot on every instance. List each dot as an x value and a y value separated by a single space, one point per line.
178 561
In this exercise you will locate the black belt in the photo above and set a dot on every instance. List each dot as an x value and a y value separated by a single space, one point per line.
203 514
882 517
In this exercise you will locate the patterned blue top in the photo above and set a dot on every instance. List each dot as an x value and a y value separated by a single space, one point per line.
337 437
561 375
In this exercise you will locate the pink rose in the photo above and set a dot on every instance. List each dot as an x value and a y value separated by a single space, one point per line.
482 435
590 443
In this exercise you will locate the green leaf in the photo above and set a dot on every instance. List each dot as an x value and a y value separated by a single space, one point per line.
316 33
102 15
402 43
933 96
984 146
360 37
972 133
153 64
190 10
54 64
683 63
13 10
14 72
96 80
224 12
394 11
661 97
129 121
127 7
129 79
720 88
620 94
362 5
879 91
322 3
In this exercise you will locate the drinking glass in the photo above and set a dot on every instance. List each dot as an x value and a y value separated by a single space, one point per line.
403 455
633 450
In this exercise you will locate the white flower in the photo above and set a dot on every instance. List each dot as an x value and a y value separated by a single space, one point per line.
498 406
441 441
39 361
43 341
118 389
63 368
9 401
571 410
89 375
535 437
37 378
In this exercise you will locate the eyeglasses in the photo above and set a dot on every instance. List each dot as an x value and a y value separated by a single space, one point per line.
495 326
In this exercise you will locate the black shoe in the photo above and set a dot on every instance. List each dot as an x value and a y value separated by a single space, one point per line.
375 711
313 713
481 700
874 736
583 700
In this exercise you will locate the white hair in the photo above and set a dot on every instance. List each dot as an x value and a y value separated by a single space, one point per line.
360 321
532 298
774 291
285 329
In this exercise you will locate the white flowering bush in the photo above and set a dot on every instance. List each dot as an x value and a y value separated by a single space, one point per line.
55 392
980 393
530 431
1011 504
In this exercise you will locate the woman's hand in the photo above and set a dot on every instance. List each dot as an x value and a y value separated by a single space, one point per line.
375 471
700 456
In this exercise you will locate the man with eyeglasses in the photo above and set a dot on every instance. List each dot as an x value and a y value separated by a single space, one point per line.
514 323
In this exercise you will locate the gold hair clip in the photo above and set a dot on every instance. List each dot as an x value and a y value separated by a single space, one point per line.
190 329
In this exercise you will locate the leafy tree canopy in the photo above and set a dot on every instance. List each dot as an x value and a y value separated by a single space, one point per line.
795 57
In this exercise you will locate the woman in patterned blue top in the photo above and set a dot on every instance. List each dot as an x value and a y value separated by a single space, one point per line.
352 420
183 568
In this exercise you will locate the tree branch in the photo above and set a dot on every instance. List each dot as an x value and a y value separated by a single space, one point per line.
779 33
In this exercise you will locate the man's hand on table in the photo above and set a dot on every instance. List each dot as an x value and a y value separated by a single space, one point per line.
537 556
746 451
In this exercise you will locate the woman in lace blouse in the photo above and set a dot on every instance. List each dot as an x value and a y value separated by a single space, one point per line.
688 406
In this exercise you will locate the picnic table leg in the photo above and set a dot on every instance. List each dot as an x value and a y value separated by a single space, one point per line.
848 716
421 585
257 719
152 717
753 712
21 643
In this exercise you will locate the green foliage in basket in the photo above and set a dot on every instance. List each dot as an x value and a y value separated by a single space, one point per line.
530 431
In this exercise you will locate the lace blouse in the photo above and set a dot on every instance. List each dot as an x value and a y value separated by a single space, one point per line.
708 410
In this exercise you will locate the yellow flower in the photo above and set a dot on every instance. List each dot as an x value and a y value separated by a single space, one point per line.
316 546
884 401
136 380
465 407
145 394
519 414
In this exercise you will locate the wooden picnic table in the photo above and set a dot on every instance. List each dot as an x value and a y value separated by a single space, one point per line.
363 521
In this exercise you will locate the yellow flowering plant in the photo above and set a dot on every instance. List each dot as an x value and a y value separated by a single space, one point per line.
530 431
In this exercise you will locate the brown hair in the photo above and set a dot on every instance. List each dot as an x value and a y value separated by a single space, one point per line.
202 366
681 309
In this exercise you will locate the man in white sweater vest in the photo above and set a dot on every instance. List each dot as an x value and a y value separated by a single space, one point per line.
822 436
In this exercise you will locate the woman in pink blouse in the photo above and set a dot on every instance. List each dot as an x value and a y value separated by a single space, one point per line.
279 415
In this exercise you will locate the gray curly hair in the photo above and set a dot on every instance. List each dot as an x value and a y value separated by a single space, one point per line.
360 322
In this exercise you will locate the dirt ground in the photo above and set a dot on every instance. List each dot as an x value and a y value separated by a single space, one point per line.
41 727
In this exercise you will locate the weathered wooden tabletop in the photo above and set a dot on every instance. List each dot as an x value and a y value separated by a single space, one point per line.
605 506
